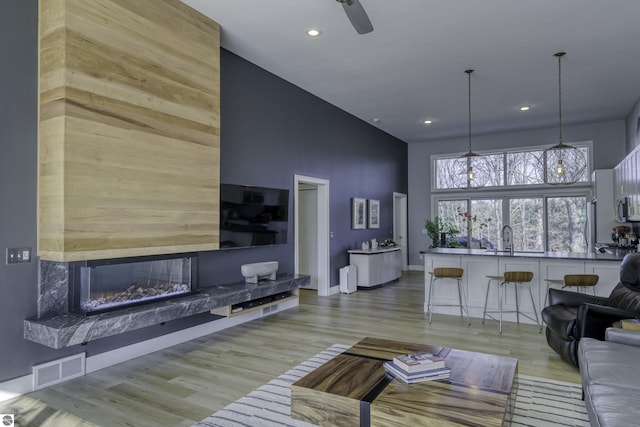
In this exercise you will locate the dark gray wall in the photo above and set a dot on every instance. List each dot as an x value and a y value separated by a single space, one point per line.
271 130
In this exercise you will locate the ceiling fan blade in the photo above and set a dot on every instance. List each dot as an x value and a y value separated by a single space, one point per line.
357 16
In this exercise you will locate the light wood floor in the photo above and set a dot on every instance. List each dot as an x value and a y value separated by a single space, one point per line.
185 383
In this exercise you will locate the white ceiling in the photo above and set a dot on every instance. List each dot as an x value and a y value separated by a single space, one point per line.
411 67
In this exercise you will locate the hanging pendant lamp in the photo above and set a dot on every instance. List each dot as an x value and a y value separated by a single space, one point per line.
473 179
563 164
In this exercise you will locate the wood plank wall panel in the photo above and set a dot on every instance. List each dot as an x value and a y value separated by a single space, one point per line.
129 129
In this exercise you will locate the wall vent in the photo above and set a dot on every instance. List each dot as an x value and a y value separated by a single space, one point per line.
58 371
270 309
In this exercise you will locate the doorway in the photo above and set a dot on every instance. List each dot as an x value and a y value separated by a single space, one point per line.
400 226
311 231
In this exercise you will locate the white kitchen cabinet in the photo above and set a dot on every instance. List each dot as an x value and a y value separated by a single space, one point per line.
376 266
634 185
476 270
477 267
602 209
556 269
627 183
609 275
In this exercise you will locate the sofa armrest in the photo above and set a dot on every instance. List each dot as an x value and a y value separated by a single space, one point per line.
623 336
593 320
573 299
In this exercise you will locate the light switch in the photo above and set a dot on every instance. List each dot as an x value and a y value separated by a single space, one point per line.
18 255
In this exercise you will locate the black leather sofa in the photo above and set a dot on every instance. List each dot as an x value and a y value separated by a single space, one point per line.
571 316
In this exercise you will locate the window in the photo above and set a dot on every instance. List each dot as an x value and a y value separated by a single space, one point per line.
480 222
526 219
451 172
522 167
555 220
567 220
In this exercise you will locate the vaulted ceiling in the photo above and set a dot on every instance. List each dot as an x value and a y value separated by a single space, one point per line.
411 67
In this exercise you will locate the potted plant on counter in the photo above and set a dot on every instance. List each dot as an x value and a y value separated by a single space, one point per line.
439 230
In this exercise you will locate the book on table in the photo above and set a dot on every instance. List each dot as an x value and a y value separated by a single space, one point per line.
632 324
418 362
415 377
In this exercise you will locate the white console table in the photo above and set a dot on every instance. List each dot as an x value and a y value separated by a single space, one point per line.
376 266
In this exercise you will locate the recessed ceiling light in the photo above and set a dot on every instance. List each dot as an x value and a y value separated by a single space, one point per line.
525 108
427 122
313 32
375 120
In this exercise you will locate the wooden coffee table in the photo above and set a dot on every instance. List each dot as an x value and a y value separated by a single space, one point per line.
353 389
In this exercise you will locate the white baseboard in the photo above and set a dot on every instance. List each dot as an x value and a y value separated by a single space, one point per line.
16 387
334 290
22 385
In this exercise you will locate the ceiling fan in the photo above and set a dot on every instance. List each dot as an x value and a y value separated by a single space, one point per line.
357 15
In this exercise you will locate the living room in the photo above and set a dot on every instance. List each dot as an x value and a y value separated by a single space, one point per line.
262 143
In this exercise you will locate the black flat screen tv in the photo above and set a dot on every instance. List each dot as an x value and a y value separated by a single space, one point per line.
253 216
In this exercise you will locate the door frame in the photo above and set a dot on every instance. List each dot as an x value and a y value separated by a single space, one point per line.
323 235
400 223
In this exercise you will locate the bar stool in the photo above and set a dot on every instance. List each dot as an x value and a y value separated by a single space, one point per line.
515 278
451 273
580 282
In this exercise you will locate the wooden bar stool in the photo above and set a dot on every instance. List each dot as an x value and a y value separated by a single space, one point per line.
451 273
510 278
579 282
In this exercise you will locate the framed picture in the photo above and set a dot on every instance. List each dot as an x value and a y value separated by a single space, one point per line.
374 213
358 215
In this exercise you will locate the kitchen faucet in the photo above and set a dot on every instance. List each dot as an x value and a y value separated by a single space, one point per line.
507 238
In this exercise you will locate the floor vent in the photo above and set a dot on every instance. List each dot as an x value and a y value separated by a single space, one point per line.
270 309
57 371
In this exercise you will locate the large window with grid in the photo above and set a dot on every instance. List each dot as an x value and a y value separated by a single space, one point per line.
543 217
503 169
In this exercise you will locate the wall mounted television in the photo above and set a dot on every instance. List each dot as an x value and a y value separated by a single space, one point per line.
253 216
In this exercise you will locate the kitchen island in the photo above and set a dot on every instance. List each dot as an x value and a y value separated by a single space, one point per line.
479 263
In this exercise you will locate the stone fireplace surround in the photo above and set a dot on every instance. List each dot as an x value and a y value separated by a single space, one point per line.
55 327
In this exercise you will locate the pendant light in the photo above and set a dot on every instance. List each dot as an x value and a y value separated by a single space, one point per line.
473 179
563 164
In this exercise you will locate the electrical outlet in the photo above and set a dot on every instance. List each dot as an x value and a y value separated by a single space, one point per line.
18 255
424 231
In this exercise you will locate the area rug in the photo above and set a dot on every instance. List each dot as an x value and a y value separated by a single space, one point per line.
541 402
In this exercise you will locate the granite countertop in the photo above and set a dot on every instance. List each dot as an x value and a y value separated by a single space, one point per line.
373 251
71 329
615 255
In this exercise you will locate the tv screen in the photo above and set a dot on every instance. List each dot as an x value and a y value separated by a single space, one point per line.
253 216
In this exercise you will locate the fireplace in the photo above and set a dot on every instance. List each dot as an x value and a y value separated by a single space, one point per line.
98 286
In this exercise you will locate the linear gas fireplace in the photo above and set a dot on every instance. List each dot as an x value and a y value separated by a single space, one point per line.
104 285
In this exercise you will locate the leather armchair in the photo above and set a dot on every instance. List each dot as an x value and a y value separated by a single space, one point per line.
571 316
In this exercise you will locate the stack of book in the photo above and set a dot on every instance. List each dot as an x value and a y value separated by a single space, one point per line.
417 367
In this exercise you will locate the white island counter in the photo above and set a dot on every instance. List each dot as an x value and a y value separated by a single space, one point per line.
479 263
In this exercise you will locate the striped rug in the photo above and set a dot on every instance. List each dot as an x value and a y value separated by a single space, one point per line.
540 402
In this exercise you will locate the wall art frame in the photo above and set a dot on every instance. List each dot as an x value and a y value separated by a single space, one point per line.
374 213
358 213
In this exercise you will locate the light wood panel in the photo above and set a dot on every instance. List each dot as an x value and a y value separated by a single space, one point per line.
129 135
213 371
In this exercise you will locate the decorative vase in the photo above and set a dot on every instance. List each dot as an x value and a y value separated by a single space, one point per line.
443 240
